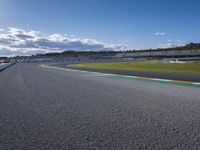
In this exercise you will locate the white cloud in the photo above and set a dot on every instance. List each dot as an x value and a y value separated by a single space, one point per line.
171 43
165 45
1 30
15 41
160 33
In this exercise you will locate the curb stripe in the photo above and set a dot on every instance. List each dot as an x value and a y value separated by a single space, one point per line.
186 82
196 83
175 82
164 80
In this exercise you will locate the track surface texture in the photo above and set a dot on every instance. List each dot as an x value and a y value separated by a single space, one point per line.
161 75
42 108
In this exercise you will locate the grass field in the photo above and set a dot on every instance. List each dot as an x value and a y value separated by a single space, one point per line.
189 68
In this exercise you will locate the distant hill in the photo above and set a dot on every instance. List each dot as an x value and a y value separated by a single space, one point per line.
77 54
97 54
191 46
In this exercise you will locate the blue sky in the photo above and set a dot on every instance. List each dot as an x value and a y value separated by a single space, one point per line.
133 23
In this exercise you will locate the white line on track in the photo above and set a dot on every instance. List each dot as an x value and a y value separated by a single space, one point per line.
196 83
102 74
165 80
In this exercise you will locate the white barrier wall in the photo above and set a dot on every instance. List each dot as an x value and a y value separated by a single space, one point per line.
5 65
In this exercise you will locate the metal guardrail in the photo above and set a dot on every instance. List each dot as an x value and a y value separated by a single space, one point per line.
3 66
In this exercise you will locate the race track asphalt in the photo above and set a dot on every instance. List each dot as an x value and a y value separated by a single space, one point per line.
51 109
161 75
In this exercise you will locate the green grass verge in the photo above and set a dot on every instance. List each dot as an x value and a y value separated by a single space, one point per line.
189 68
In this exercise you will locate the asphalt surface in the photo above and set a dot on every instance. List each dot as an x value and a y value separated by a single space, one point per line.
42 108
171 76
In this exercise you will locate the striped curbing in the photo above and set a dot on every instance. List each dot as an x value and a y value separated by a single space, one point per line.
163 81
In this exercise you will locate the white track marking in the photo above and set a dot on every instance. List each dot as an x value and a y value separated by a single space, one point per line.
102 74
165 80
